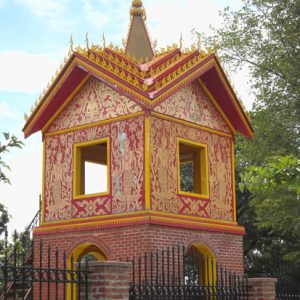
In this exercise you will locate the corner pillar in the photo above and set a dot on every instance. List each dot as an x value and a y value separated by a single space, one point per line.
108 280
262 288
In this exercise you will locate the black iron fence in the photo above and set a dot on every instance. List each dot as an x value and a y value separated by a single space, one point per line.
287 290
288 282
41 274
179 273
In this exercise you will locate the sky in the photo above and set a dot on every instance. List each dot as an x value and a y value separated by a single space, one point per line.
34 39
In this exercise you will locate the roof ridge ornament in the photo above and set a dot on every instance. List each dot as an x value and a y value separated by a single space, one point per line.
199 42
215 45
180 41
71 43
103 40
87 41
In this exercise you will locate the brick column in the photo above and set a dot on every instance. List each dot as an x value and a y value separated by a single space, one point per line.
108 280
262 288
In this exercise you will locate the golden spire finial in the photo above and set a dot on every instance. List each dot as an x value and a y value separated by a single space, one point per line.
71 43
137 3
87 41
103 40
180 41
136 8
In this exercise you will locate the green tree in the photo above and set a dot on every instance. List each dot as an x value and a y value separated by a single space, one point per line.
10 141
277 215
187 177
264 36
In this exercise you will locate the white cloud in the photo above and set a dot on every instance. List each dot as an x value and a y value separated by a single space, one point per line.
94 17
51 10
169 18
25 72
43 8
6 111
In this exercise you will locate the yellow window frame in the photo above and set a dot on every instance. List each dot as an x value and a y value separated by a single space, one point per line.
77 167
202 177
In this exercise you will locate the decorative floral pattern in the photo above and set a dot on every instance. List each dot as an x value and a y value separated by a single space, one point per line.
164 195
193 105
96 206
127 150
94 102
127 171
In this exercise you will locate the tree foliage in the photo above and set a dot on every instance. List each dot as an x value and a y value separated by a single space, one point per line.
187 177
276 199
264 36
10 141
4 218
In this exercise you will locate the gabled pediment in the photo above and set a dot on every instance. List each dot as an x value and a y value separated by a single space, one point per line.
94 102
192 104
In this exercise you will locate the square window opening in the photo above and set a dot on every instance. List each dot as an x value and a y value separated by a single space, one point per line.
95 179
91 169
193 168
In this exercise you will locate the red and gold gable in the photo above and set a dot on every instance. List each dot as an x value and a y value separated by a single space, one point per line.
192 104
94 102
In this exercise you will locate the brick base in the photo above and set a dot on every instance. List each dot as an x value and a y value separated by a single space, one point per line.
124 242
262 288
108 280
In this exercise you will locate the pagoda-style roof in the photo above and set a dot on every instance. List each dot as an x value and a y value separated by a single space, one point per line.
147 82
144 76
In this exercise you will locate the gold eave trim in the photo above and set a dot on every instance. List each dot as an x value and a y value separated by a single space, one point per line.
138 218
190 124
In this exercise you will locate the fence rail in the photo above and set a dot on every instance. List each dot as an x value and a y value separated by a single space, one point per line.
43 274
178 273
288 283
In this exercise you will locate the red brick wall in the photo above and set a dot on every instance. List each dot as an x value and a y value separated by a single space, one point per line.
125 242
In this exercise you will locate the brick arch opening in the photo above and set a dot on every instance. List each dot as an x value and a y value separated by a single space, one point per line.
87 248
205 262
84 251
207 241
